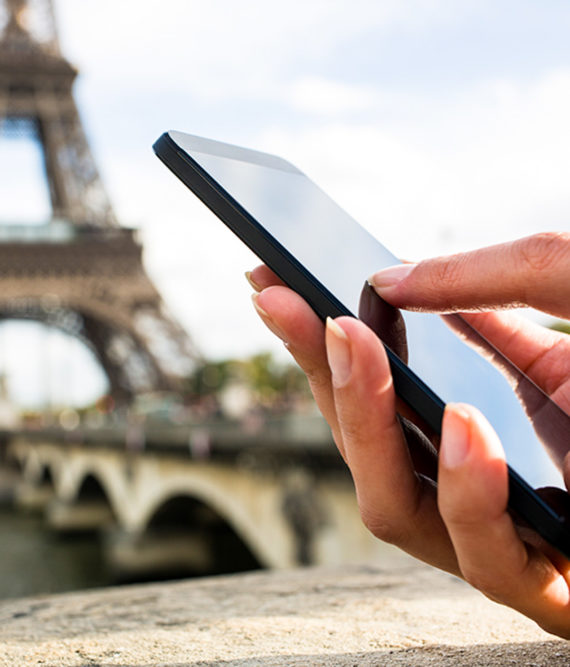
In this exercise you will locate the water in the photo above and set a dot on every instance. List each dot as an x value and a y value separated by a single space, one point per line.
34 560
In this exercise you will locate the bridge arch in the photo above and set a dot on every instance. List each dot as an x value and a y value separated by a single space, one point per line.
212 545
249 503
92 488
39 465
87 474
47 477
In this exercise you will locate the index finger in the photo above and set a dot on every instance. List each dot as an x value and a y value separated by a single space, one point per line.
533 271
261 277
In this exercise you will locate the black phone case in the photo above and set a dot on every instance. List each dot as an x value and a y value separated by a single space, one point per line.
524 502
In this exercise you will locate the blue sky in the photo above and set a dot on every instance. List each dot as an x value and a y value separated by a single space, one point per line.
440 125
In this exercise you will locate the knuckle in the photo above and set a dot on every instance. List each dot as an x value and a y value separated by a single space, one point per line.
316 371
353 431
540 252
455 513
465 518
380 527
483 580
318 379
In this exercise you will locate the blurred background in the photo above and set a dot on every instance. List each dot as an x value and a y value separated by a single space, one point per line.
151 427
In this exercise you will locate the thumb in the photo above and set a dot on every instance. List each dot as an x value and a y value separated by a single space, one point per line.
472 498
533 271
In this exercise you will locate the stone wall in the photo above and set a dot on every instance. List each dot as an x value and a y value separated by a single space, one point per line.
407 614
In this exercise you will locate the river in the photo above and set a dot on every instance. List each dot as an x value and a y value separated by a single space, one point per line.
34 560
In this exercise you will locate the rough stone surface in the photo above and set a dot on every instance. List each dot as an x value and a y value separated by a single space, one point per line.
366 615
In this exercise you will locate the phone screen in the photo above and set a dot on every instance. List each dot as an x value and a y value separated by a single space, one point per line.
340 254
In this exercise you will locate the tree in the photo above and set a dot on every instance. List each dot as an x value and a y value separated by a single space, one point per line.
274 385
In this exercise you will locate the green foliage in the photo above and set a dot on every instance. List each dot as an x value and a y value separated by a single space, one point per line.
209 378
270 382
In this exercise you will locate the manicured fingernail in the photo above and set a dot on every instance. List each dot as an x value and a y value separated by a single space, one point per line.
338 353
455 440
251 281
266 317
391 276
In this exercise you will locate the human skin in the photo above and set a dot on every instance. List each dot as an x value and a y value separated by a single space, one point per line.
462 524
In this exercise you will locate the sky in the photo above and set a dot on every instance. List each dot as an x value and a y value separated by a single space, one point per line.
439 125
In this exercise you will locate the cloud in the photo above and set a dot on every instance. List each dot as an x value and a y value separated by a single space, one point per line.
222 49
429 169
316 95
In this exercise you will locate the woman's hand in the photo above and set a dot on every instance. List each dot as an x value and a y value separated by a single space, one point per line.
462 525
534 271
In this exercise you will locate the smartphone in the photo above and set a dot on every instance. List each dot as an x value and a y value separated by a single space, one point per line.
322 253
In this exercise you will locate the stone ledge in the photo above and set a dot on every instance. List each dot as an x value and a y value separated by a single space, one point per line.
405 615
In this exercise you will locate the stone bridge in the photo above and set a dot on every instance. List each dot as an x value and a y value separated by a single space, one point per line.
171 509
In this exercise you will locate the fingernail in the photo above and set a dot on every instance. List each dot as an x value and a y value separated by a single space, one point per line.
338 353
251 281
268 320
391 276
455 439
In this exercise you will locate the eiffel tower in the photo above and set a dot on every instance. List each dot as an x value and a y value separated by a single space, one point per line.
81 272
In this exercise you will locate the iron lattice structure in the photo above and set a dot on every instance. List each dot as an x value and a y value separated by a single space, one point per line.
82 272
